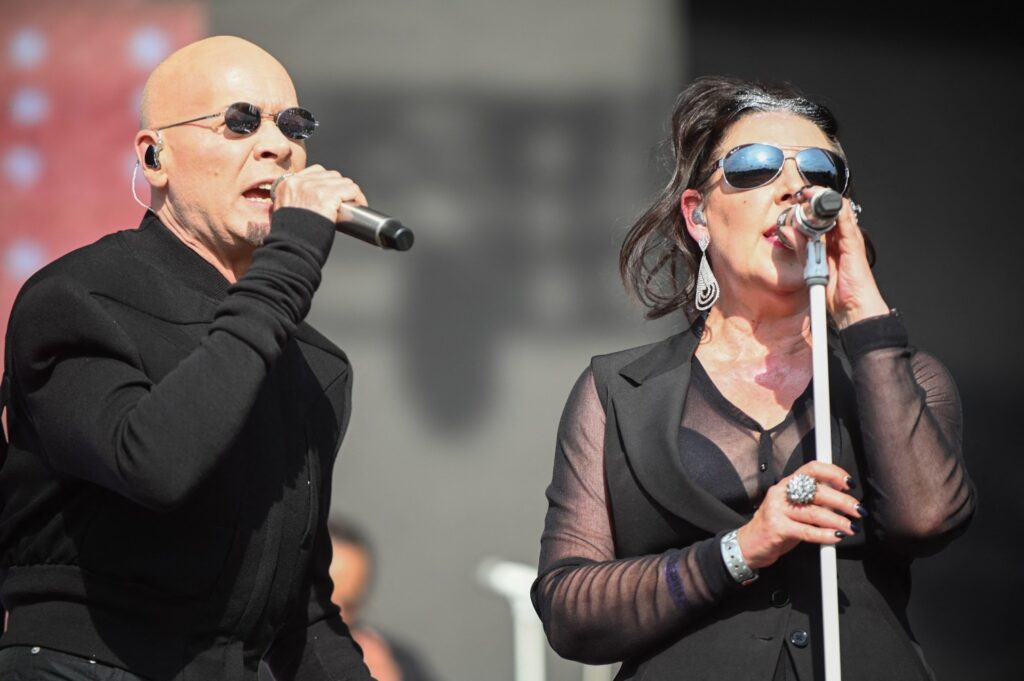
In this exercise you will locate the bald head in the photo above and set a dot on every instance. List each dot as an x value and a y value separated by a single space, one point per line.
191 77
204 175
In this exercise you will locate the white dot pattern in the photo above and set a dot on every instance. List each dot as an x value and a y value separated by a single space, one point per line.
22 166
27 48
29 106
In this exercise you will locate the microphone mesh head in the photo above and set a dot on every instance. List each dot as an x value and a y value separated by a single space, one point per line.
827 204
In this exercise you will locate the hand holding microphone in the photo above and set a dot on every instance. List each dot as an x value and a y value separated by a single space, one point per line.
852 293
340 200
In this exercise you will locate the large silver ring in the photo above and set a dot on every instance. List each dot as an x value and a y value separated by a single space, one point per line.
273 186
856 208
801 489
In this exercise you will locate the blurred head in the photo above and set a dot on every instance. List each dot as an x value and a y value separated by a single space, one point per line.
714 115
208 181
352 569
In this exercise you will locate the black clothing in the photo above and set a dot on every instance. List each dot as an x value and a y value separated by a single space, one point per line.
653 466
409 662
23 663
732 456
172 437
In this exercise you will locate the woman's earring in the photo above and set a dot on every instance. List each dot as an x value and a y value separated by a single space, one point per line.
707 285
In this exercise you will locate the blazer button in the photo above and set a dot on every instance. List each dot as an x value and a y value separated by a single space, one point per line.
799 638
779 598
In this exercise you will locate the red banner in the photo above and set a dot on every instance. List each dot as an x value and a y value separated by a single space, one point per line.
71 77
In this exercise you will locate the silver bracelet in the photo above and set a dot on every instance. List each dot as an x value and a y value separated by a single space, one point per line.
734 561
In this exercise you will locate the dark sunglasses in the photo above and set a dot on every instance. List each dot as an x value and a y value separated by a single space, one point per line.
244 118
755 165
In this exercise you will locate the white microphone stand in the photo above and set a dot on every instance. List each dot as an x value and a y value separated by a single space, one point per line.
816 276
513 581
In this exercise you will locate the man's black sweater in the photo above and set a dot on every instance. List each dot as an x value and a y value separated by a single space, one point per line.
165 493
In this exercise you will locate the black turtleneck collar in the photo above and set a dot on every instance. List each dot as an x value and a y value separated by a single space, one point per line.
159 246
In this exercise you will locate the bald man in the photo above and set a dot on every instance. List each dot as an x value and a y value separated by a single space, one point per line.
173 421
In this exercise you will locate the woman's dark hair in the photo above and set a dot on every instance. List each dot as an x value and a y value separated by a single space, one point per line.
658 260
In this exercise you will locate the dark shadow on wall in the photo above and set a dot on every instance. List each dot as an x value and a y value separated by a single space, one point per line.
518 202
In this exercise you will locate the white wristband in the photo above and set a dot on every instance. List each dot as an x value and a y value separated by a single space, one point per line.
734 561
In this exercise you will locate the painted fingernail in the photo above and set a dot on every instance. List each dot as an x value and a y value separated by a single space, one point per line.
862 511
855 526
850 482
841 534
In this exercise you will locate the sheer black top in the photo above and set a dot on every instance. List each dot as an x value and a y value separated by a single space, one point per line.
603 608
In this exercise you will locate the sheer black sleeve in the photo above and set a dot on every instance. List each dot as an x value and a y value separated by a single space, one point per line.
918 491
595 608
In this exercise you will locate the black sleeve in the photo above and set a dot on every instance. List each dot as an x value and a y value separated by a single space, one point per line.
99 416
596 608
921 496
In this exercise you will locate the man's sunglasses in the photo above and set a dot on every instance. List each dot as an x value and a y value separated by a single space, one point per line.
244 118
755 165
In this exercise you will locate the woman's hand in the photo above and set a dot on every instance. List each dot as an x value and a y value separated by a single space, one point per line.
852 293
779 525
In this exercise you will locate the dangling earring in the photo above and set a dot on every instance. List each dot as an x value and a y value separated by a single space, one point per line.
707 285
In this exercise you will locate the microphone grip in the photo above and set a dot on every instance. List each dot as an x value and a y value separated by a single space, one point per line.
376 228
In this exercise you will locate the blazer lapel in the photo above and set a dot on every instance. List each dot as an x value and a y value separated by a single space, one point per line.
648 411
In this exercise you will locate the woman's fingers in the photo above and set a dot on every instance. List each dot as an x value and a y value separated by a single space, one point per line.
813 534
828 473
833 483
840 502
779 523
820 517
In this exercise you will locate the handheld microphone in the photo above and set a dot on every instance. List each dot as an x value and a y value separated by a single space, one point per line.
376 228
366 224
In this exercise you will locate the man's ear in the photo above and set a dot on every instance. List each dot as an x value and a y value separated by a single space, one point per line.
149 145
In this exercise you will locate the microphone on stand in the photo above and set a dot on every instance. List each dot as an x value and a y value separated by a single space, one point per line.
818 215
813 218
376 228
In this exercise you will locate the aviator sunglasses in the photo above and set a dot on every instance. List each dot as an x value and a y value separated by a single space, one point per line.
755 165
243 118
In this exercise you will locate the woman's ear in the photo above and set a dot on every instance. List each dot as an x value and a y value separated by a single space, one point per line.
692 207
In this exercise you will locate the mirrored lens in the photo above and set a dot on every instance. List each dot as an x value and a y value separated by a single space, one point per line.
242 118
296 123
752 165
822 168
